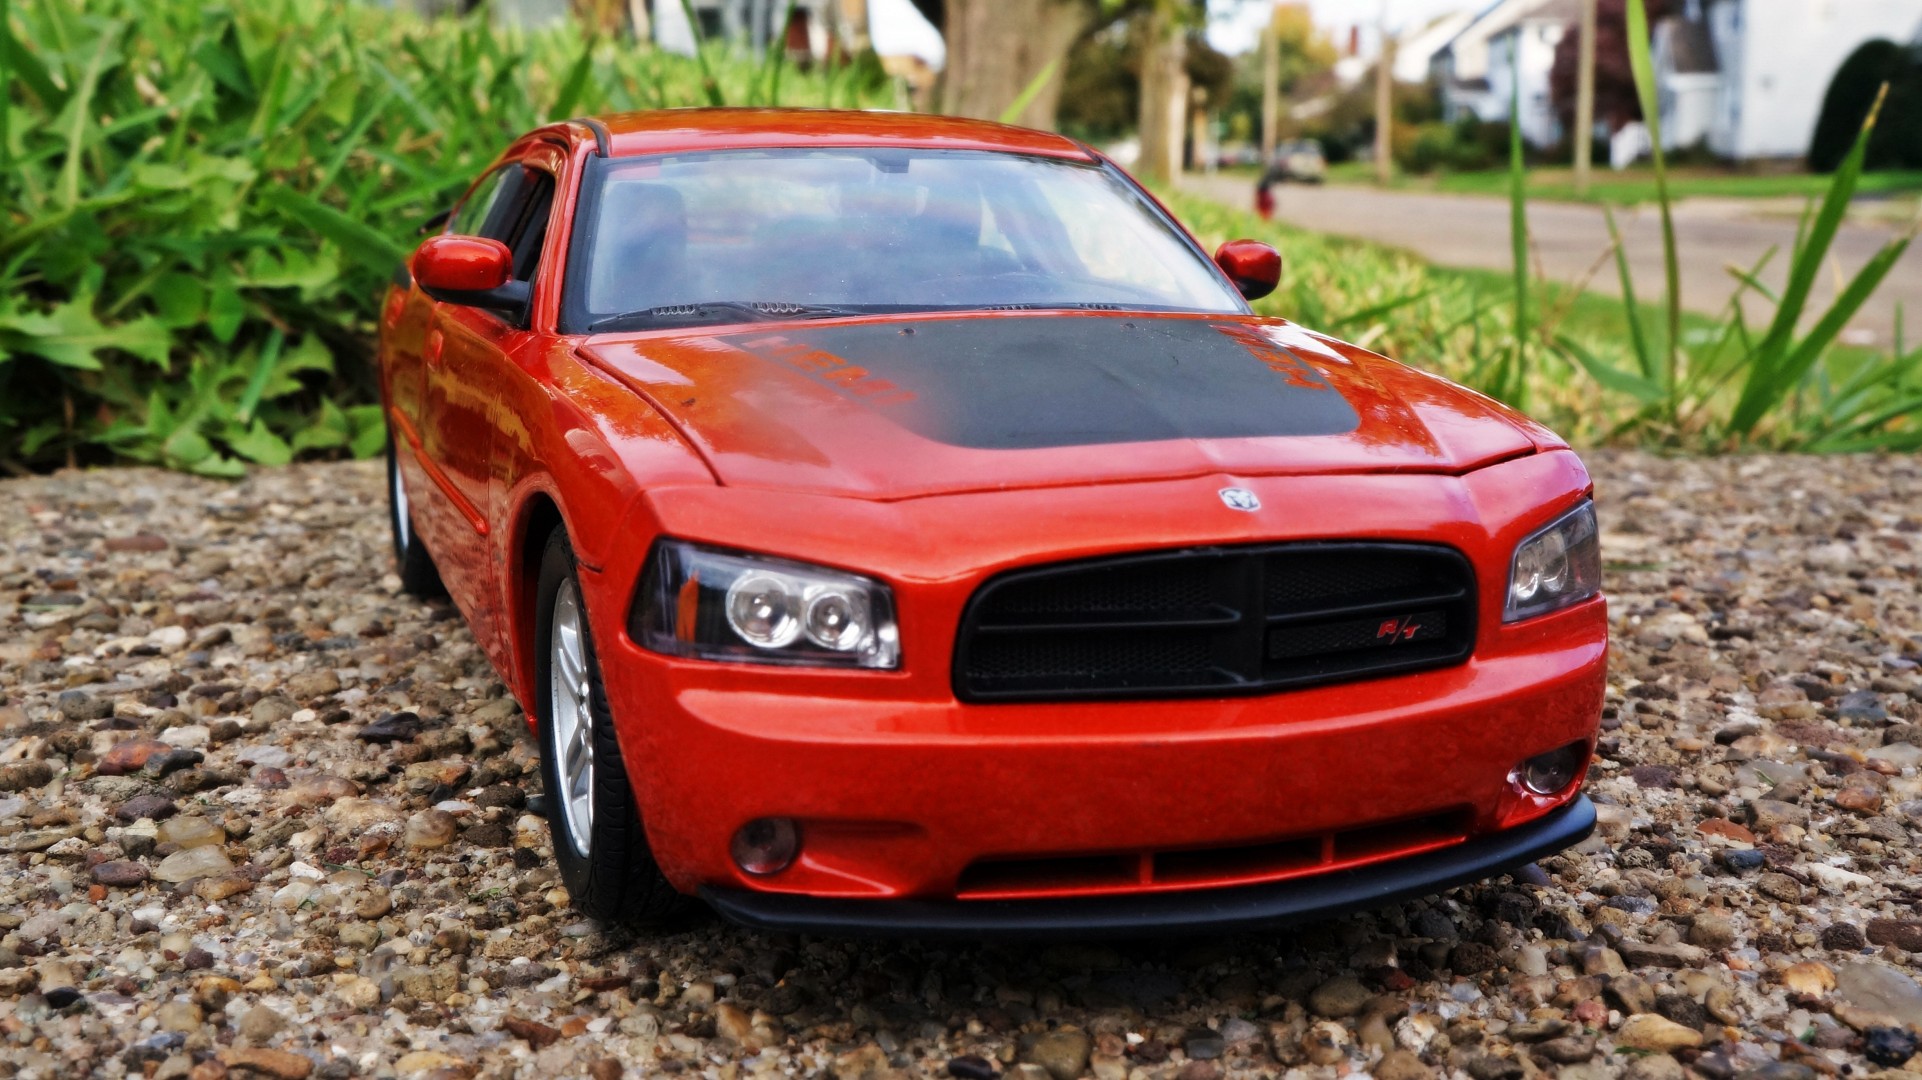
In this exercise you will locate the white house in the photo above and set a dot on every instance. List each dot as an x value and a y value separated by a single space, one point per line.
1772 62
1415 51
1461 69
1525 51
1688 80
1507 41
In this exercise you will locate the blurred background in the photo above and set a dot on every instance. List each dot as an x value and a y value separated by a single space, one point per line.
1674 223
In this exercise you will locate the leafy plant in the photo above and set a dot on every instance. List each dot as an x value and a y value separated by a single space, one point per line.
204 203
1784 387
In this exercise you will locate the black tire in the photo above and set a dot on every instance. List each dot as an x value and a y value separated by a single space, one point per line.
418 574
615 879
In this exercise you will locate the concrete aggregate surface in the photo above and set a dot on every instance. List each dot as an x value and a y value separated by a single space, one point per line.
261 815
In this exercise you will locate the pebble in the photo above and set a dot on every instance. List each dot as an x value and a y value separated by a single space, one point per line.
24 775
1879 988
1888 1047
1567 1050
1063 1052
394 727
1402 1065
1809 977
1844 937
1657 1034
260 1024
1341 996
120 873
155 807
195 862
1326 1043
129 756
320 789
430 829
1711 931
1904 934
1652 954
215 889
191 831
280 1064
970 1067
1779 887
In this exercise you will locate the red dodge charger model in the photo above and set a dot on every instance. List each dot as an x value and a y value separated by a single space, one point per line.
900 524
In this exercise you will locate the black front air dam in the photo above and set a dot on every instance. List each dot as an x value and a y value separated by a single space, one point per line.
1210 911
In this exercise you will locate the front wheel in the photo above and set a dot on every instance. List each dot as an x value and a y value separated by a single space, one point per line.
418 574
598 839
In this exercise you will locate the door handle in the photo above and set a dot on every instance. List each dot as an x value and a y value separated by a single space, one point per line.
436 342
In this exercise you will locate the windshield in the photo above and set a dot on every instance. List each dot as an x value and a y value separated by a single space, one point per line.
779 233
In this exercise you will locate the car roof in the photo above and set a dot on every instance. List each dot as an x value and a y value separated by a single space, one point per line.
668 130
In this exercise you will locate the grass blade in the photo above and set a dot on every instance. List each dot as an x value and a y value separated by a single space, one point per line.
1028 93
1509 386
356 239
708 85
1631 307
1642 64
80 105
1612 378
575 85
1769 381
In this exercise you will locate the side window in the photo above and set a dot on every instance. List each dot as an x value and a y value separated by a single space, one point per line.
480 205
530 230
511 206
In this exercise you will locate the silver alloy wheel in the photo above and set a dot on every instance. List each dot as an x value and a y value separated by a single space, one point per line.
572 726
403 524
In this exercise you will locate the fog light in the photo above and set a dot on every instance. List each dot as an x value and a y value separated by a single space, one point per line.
1550 773
766 845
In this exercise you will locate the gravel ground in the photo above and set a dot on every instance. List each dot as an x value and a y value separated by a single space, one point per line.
262 815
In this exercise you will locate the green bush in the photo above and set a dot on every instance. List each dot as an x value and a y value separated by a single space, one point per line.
1467 145
203 204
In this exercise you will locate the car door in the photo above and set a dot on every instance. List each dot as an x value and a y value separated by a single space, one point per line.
469 352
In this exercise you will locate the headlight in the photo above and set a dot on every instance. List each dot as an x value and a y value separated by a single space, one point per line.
1557 566
725 605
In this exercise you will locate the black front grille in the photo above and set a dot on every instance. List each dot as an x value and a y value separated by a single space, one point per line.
1215 620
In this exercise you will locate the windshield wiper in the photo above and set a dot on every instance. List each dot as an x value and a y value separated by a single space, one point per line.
759 310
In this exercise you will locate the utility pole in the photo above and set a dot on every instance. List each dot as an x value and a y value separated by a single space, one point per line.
1384 103
1270 91
1585 100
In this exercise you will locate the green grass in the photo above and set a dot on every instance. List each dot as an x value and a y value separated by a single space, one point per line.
1637 185
1460 324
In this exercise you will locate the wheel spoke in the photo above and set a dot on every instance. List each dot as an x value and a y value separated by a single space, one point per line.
572 734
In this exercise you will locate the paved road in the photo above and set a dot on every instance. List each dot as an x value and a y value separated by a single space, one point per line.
1472 231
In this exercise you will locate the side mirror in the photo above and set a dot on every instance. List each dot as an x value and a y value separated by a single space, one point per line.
470 270
1253 266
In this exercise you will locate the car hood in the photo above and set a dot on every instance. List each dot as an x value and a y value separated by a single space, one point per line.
902 407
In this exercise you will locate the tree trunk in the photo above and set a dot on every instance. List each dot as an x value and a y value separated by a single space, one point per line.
850 25
996 49
1164 98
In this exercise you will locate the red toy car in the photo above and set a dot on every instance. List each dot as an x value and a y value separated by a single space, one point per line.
899 524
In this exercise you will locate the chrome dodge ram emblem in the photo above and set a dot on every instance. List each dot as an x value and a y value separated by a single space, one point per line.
1240 499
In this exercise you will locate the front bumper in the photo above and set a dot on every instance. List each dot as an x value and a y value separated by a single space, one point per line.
902 800
1211 911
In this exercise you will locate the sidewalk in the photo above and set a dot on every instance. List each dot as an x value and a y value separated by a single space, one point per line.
1570 240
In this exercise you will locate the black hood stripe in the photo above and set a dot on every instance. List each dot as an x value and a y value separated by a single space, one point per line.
1026 382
